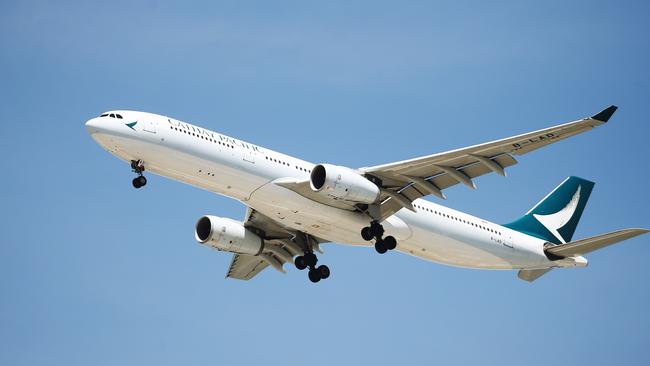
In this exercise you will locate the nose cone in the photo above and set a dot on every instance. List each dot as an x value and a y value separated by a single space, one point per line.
93 125
100 126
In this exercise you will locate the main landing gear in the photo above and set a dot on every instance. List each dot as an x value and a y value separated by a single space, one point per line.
138 167
316 274
376 231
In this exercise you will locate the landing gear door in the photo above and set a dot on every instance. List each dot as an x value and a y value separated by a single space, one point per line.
149 126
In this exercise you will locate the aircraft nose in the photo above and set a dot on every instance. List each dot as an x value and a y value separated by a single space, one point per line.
93 125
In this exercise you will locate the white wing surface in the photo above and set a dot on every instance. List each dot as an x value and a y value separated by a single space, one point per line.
405 181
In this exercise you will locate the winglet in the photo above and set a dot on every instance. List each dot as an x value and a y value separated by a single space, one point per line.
605 114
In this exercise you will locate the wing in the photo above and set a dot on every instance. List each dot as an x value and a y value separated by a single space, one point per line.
407 180
245 267
281 244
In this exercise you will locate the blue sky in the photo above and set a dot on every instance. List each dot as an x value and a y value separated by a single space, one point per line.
95 272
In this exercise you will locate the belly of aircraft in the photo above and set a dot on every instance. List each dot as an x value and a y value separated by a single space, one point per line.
341 226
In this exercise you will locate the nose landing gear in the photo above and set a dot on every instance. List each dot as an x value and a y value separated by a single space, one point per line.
376 231
138 167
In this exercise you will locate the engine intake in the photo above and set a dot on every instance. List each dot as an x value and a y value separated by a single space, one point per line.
341 183
227 235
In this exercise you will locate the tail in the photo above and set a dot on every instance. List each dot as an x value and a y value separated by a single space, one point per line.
556 217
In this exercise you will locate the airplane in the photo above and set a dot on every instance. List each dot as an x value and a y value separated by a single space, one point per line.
294 206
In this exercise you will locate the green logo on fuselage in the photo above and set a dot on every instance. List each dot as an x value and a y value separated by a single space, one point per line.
130 125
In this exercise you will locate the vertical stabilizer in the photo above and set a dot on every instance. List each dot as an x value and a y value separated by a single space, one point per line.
556 217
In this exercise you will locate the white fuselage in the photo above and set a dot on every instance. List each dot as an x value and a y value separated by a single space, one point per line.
246 172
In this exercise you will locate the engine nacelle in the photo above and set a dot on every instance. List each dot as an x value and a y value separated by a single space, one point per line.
227 235
343 183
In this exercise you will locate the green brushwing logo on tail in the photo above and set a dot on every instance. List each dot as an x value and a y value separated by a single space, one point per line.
556 217
130 125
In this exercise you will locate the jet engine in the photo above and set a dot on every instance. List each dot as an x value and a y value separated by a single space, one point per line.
343 183
227 235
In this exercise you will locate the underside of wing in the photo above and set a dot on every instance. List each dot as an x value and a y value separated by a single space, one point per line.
407 180
245 267
303 188
281 244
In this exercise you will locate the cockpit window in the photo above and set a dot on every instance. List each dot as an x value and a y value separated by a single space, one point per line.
112 115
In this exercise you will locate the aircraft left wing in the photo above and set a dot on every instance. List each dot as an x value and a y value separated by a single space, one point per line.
405 181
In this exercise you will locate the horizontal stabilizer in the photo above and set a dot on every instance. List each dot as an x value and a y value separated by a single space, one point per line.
531 275
584 246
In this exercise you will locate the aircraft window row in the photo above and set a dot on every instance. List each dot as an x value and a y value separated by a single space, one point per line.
112 115
286 164
201 137
276 161
458 219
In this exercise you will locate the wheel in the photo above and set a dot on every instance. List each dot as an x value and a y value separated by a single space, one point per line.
380 247
376 230
314 276
300 262
323 272
143 180
390 242
366 233
136 182
311 259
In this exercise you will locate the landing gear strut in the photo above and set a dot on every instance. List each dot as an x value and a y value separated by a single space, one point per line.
376 231
310 260
138 167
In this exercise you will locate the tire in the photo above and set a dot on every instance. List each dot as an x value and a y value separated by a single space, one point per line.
143 180
314 276
136 183
323 272
311 259
300 262
366 233
390 242
376 230
380 247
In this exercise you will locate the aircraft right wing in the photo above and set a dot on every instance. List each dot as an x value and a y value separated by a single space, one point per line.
245 267
281 244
